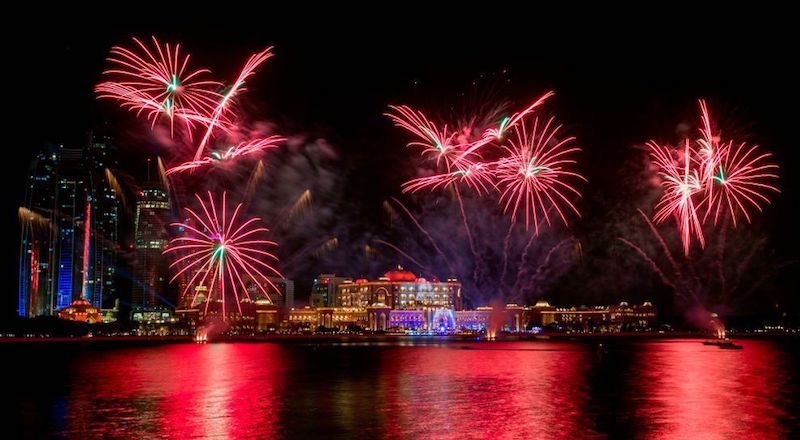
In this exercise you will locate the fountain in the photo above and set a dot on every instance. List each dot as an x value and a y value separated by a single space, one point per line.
497 320
442 321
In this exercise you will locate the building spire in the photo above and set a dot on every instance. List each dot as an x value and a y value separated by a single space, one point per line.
87 230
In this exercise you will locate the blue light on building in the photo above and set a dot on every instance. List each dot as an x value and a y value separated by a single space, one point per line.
53 219
65 268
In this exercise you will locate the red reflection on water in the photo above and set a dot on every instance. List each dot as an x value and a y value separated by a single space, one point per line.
653 389
179 391
496 390
690 391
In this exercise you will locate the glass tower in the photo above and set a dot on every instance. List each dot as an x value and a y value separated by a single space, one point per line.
53 223
151 238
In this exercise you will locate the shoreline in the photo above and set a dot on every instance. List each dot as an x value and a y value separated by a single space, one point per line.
370 338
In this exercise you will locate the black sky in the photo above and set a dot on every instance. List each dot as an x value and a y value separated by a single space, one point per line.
619 79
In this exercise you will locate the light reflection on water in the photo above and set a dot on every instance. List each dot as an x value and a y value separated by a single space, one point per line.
651 389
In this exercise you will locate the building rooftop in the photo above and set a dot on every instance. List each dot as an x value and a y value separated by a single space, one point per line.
400 275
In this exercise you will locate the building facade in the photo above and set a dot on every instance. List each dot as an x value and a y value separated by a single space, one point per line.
325 289
491 320
102 160
398 300
69 239
610 317
151 225
400 290
285 294
37 257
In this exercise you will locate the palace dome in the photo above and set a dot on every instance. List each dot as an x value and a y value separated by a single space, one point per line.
400 275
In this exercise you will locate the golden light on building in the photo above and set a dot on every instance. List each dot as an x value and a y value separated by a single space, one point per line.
81 311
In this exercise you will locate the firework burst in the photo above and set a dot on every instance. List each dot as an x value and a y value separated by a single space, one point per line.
476 175
439 143
224 104
157 81
681 183
448 151
531 173
535 175
727 179
226 156
508 122
743 177
222 251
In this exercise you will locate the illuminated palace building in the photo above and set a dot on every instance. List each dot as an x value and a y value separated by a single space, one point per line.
69 243
401 301
397 300
399 290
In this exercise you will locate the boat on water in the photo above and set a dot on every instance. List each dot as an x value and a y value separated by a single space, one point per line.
730 345
725 344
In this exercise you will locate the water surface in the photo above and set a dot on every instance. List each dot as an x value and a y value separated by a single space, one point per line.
423 389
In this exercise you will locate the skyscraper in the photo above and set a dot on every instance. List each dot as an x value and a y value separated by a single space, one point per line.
323 292
102 161
68 188
37 245
71 194
151 238
285 293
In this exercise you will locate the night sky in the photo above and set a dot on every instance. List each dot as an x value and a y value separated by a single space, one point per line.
618 83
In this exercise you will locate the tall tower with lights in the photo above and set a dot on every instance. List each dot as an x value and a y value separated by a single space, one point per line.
69 238
151 237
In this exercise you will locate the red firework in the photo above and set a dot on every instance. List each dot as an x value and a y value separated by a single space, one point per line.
158 82
740 183
535 175
223 252
225 156
508 122
708 149
729 178
681 184
440 144
219 110
447 150
476 175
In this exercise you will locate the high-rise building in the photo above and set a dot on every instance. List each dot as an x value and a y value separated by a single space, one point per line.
285 297
37 258
68 188
151 238
324 290
102 160
71 194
